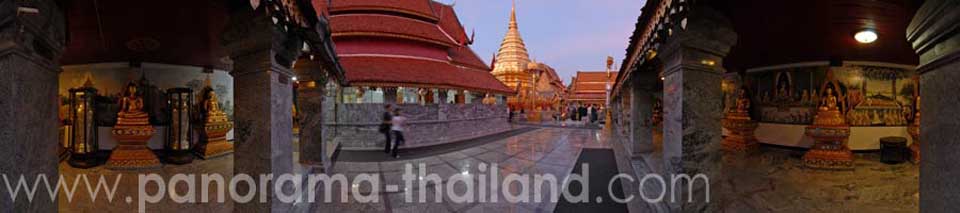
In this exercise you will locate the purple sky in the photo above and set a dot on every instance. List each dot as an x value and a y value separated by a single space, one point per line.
568 35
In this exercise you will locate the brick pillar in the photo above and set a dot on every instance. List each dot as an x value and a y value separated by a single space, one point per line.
692 104
264 96
935 38
30 46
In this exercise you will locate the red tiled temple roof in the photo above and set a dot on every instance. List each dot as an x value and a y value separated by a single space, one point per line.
381 44
392 71
465 56
390 26
414 7
591 85
449 22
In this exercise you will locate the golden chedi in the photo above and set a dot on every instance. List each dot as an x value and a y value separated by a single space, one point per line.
737 121
829 132
132 132
216 125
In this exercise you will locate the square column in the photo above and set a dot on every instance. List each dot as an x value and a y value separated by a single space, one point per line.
692 61
641 110
263 94
30 46
935 38
310 97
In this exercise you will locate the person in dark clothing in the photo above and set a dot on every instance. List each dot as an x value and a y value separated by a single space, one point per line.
593 114
582 112
385 127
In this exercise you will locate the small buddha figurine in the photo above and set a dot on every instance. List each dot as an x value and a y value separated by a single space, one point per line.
212 108
829 103
743 104
131 108
804 97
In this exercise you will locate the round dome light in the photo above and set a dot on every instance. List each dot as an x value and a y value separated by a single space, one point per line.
866 36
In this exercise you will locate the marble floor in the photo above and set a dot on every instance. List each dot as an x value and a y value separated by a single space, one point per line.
774 180
769 181
543 151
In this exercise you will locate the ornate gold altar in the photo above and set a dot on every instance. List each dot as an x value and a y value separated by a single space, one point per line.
132 132
215 128
737 120
830 133
914 130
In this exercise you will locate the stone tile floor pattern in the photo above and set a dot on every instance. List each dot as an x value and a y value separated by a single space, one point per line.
774 180
544 151
770 181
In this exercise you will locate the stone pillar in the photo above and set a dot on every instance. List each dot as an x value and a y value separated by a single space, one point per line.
310 97
442 95
692 105
30 47
934 36
641 110
390 95
263 93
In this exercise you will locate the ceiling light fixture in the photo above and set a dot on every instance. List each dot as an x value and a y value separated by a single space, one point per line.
866 36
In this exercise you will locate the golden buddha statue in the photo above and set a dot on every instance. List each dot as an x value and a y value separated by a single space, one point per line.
216 125
131 108
743 104
737 121
211 107
829 112
132 132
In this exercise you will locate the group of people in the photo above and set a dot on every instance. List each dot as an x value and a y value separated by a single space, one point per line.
392 127
590 111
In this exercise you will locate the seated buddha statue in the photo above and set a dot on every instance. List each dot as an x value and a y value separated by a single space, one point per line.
131 109
743 104
211 106
829 113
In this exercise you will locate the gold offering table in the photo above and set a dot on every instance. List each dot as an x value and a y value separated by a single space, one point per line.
737 120
132 132
830 133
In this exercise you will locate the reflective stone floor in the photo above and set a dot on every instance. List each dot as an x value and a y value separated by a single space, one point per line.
770 181
544 151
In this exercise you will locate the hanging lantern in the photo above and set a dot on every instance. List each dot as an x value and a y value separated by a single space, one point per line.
179 140
83 144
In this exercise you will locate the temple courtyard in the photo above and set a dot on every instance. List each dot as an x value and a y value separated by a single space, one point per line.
771 180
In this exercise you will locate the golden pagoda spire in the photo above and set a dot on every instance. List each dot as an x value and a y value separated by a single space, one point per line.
512 56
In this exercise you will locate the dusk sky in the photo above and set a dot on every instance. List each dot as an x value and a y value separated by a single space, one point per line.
568 35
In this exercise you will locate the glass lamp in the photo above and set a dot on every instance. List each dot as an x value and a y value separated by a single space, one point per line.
179 140
83 144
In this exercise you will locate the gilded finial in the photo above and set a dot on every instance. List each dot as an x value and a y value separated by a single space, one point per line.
89 81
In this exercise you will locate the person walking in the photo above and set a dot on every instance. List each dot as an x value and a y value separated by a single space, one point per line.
398 126
593 114
385 127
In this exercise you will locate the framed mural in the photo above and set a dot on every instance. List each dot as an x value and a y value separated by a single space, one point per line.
871 95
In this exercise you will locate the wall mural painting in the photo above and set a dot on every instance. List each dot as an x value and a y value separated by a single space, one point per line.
152 79
871 95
